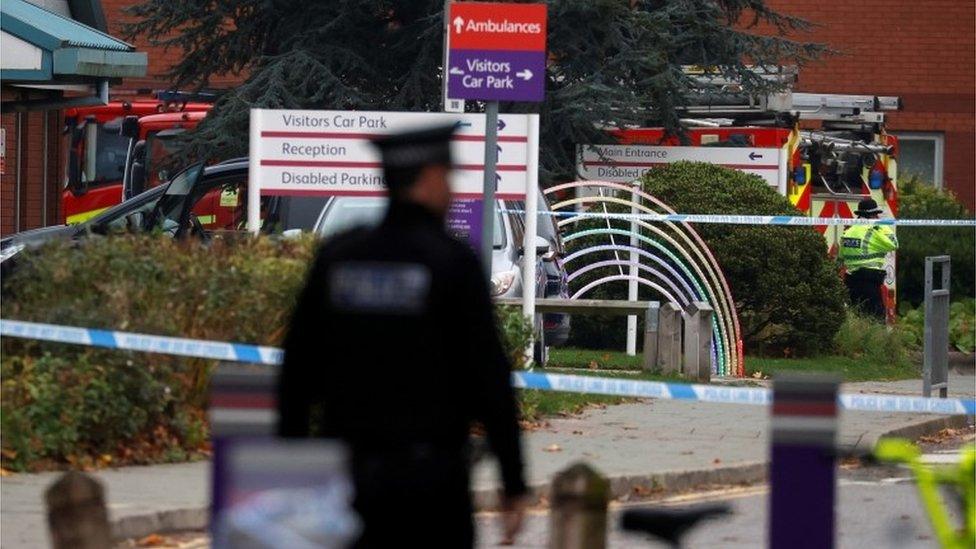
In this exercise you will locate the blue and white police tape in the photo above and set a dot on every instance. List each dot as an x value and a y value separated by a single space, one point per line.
757 219
238 352
129 341
732 395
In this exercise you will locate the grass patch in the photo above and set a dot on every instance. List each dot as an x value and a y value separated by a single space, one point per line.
851 369
864 350
593 359
537 404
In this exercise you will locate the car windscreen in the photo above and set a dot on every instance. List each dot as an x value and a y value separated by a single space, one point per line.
346 213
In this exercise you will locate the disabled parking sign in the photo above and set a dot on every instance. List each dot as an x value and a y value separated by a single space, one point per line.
497 51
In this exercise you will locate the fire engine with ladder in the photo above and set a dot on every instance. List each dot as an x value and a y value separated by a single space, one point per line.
825 152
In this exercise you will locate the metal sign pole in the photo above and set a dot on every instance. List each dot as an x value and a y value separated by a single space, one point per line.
490 181
634 273
254 170
531 227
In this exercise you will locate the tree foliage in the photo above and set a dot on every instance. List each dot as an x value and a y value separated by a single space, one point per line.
920 200
610 61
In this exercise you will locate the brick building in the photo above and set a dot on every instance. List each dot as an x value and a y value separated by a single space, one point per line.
923 52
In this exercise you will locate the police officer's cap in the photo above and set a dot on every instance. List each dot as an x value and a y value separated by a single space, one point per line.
867 207
417 148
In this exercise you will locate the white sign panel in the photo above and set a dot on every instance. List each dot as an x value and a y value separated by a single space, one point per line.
625 163
329 152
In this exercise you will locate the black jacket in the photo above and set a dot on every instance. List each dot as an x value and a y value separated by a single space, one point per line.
394 344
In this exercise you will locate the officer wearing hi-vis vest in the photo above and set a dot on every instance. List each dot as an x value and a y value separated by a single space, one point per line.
393 348
863 250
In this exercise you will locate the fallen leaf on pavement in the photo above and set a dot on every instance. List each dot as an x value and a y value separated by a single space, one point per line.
716 461
553 448
577 432
152 540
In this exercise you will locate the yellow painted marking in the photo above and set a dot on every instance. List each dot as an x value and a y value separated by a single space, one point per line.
83 216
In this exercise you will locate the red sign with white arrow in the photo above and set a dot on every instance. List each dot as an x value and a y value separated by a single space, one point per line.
492 26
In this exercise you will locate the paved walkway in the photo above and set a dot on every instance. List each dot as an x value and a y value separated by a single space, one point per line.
664 441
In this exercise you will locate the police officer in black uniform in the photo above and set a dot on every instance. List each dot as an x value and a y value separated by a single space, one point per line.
393 349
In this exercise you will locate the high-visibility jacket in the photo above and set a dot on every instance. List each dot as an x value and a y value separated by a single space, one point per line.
865 246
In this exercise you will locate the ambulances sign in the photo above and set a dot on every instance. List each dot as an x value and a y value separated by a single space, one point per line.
497 51
330 152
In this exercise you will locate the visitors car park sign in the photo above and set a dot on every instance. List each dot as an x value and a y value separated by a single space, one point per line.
297 152
497 51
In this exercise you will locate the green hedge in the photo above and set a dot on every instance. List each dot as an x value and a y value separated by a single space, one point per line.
788 293
77 405
920 200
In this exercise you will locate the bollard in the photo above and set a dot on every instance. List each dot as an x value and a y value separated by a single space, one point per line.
651 317
578 509
698 342
802 472
243 405
935 353
669 338
76 513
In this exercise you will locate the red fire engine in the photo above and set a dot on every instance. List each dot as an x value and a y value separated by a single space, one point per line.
824 171
98 153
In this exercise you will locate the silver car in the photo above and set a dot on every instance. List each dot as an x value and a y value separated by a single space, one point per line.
345 212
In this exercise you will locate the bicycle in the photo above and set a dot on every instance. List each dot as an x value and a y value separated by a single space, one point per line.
671 524
928 478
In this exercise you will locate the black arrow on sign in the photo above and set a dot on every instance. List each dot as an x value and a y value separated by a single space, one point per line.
753 156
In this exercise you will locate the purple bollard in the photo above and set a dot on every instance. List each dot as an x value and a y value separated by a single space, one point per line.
802 471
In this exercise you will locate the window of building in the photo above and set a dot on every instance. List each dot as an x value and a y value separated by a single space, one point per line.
921 154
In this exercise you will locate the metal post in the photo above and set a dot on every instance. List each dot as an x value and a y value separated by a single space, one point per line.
20 171
531 226
802 472
634 259
651 319
935 354
45 185
488 199
254 167
669 339
698 342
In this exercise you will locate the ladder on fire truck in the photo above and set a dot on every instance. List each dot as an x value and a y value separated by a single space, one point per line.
720 97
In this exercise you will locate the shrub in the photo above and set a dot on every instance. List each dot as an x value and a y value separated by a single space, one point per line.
865 338
918 200
787 292
81 405
962 325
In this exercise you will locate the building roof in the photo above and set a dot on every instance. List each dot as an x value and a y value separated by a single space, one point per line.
56 30
61 49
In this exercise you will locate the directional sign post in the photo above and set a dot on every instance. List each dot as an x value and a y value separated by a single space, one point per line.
625 163
497 52
328 153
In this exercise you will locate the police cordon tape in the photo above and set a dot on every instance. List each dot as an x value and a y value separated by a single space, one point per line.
255 354
757 219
